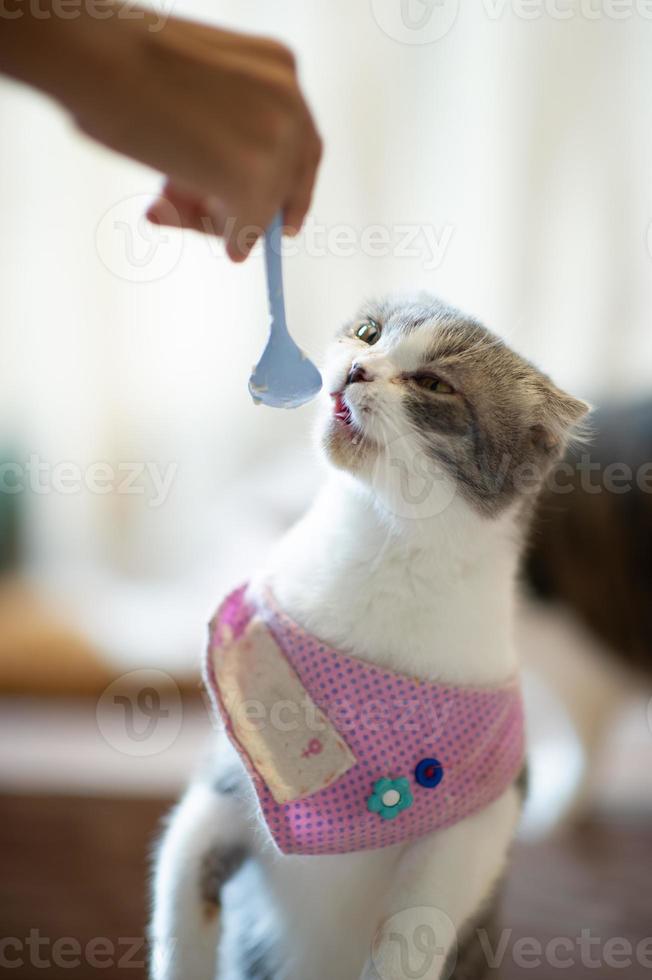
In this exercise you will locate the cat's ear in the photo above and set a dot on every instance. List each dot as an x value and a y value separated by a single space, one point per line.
559 420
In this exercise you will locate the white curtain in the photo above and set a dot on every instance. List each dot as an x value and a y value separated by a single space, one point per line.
515 152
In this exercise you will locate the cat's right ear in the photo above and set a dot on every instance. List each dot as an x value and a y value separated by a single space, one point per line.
561 418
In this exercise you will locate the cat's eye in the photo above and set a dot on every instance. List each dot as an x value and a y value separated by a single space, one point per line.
430 383
369 331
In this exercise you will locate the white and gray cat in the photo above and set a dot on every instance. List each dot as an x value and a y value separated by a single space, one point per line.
438 438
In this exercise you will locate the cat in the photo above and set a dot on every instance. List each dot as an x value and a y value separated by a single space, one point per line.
437 438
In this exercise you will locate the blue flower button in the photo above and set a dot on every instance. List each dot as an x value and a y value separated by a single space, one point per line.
390 797
429 773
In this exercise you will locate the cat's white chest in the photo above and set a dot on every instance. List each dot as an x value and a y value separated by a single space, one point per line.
441 613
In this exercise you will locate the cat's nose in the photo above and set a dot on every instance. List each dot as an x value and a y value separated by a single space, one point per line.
357 373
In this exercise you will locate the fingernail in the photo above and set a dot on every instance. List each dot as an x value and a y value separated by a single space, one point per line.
236 254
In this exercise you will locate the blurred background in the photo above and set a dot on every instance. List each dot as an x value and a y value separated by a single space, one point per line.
496 153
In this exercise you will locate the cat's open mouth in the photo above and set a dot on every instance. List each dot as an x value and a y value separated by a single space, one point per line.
346 429
341 410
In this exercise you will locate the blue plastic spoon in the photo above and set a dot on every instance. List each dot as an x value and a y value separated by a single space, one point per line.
284 377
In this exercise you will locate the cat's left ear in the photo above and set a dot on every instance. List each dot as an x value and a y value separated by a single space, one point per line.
560 418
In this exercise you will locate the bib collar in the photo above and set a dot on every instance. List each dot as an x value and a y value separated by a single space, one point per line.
345 755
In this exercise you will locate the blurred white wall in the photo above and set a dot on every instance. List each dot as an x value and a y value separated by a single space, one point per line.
522 145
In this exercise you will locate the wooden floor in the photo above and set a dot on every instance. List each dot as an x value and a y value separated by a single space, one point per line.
73 895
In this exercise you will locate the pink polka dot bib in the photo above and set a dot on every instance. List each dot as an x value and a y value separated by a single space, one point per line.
345 755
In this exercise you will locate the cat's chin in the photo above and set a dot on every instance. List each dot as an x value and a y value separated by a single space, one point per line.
347 446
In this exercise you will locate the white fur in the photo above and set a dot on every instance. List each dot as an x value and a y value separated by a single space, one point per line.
432 600
430 595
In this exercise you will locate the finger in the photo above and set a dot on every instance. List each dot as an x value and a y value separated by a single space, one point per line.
174 207
296 209
162 212
244 227
298 204
242 235
178 207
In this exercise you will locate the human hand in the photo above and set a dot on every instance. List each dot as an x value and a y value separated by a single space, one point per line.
258 149
220 113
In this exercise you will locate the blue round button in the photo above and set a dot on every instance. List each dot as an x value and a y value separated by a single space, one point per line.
429 773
